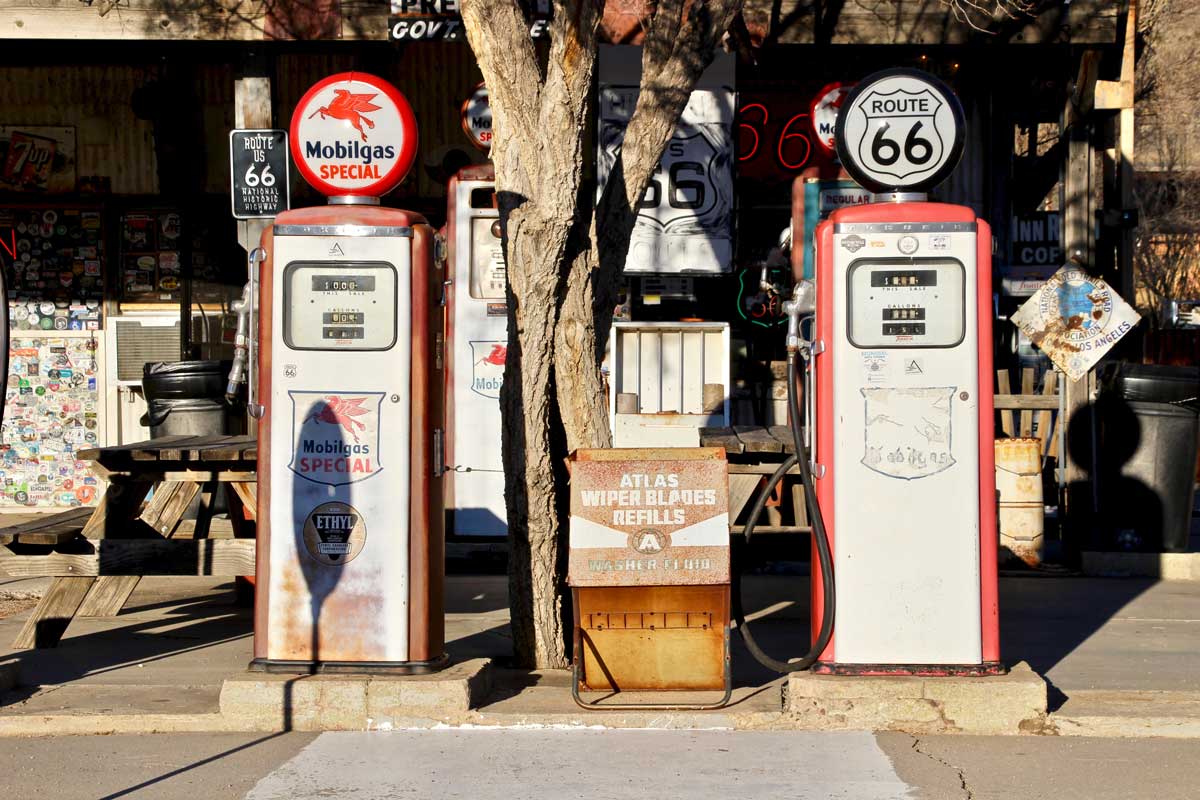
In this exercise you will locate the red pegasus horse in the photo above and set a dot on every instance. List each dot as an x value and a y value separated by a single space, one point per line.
497 357
351 108
342 411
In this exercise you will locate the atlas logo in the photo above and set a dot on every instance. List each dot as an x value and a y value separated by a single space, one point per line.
649 541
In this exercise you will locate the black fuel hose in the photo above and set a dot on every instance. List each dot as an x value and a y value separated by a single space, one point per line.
820 539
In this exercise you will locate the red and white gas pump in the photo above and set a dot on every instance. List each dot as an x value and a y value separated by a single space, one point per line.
350 539
902 352
477 347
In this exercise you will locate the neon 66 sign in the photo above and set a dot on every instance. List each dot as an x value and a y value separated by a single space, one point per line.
900 130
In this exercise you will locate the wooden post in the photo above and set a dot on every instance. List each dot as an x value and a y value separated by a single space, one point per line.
1119 95
252 109
1077 240
1125 151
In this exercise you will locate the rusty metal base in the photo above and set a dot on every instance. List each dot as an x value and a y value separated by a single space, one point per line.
276 666
577 681
915 670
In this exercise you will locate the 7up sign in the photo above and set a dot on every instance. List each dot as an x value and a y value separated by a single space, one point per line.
900 130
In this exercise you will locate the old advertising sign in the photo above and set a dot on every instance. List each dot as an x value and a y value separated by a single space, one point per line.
477 118
37 159
1035 252
258 173
900 130
353 134
685 218
441 20
334 533
824 113
1075 319
645 522
336 436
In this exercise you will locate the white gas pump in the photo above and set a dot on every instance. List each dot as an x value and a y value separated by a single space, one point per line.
903 462
477 343
349 570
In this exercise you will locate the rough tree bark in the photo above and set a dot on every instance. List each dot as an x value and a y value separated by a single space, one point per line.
563 261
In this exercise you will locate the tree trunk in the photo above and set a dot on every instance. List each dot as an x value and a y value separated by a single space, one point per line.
582 399
530 492
561 280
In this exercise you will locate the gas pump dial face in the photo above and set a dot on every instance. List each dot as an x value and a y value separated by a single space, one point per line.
906 302
339 306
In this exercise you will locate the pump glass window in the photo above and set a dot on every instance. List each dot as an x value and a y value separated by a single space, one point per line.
487 259
339 306
909 302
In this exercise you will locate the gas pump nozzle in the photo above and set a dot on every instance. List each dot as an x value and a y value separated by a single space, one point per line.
237 371
243 345
803 303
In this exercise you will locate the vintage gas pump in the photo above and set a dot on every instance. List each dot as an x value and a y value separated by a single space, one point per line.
903 463
476 343
350 538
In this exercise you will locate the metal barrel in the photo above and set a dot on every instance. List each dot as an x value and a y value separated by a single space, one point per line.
1022 510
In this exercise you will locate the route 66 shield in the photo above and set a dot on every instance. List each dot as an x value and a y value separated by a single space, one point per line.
900 130
899 137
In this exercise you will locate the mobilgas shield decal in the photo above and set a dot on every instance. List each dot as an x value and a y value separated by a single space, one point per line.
487 367
335 436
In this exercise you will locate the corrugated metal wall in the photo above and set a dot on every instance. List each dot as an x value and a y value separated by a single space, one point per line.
94 99
214 88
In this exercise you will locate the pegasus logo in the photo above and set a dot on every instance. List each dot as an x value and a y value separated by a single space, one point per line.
351 108
497 357
341 411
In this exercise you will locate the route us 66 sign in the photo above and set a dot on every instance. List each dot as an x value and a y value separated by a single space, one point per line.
900 130
258 177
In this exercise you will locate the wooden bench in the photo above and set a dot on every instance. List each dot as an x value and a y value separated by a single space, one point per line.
97 556
52 529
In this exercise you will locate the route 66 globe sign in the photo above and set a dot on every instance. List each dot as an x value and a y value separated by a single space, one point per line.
353 134
900 130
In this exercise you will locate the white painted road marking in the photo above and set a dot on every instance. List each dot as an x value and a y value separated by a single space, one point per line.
501 764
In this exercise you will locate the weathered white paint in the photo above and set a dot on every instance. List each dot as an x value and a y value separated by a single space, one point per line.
906 552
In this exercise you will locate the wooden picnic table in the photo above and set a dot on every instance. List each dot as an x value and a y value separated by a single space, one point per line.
97 556
754 452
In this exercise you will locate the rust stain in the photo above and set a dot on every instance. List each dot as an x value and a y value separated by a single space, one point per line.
653 638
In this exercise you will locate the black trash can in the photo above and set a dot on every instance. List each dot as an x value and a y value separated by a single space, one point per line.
1151 430
186 398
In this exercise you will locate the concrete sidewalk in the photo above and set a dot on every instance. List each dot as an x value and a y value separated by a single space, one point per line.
1119 656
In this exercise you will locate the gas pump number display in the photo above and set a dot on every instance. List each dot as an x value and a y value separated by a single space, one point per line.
339 306
906 302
